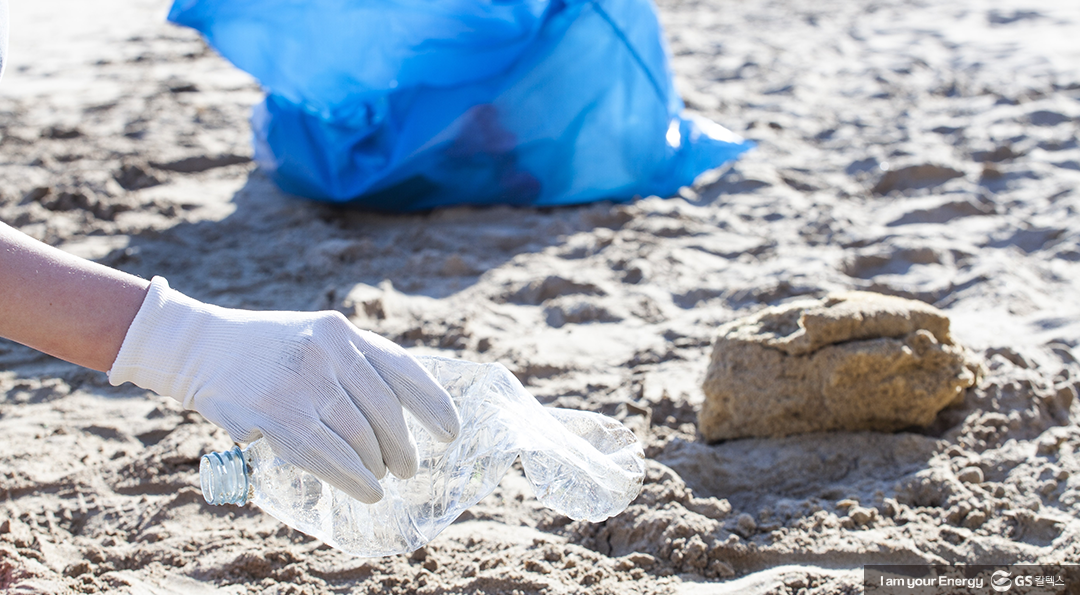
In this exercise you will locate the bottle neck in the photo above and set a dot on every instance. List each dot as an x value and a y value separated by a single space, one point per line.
224 477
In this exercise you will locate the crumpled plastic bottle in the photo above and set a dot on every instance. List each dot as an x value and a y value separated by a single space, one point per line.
581 464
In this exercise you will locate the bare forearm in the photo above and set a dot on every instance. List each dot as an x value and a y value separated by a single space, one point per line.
68 307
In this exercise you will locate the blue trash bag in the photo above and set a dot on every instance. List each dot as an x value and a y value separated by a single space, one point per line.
411 104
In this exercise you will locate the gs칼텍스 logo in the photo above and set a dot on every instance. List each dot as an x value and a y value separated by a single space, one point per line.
1000 581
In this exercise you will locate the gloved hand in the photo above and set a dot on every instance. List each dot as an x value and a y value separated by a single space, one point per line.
326 396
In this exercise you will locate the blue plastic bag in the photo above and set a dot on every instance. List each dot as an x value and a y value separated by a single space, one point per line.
412 104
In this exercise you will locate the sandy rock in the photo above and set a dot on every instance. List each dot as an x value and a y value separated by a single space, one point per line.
851 361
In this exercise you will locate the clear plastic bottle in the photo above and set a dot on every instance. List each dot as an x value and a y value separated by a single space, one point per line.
581 464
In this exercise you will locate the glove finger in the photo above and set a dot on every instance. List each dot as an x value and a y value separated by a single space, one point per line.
217 411
242 437
327 456
382 410
415 388
347 421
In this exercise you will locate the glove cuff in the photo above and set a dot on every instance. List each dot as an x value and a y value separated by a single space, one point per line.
156 352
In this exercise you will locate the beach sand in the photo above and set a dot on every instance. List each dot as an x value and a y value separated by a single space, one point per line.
916 149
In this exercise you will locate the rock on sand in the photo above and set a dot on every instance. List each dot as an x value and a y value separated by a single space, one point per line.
850 361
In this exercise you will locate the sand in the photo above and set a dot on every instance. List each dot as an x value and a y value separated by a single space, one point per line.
915 149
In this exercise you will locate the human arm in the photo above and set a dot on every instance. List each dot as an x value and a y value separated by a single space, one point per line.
327 396
63 305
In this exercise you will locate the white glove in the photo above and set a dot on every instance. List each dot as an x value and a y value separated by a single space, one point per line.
326 396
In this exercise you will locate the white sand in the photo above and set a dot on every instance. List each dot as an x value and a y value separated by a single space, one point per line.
973 105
